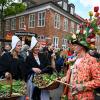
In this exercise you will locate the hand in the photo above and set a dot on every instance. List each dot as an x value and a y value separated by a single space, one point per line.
64 79
36 70
7 75
77 88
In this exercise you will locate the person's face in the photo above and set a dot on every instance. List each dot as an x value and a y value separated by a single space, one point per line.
7 47
36 48
77 49
51 47
18 47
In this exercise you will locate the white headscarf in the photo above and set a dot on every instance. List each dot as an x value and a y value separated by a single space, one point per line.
15 40
33 43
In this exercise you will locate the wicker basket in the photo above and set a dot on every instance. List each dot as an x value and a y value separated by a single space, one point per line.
49 86
10 95
10 98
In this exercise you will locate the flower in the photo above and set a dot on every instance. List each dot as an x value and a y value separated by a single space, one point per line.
92 40
74 36
84 32
90 13
97 14
77 32
96 9
91 30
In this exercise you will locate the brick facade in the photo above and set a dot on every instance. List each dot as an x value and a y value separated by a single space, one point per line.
48 30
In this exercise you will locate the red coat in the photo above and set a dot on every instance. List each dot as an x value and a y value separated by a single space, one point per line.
87 72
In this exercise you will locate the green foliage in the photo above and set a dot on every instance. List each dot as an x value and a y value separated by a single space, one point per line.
43 80
15 8
17 87
9 7
68 36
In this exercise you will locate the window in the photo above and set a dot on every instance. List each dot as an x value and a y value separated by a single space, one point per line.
56 42
97 43
57 21
7 25
72 27
0 26
65 6
32 20
65 24
41 19
60 3
13 24
21 22
64 43
72 10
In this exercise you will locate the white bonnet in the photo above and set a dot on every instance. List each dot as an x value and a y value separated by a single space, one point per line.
33 42
15 40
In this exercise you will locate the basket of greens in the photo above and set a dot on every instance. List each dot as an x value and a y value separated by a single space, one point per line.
46 81
10 88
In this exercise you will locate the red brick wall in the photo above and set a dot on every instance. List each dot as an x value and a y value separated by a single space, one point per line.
49 29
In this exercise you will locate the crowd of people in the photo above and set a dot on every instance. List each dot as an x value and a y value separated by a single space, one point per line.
24 61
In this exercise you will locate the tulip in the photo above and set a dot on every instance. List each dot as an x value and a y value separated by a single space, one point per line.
77 31
74 36
84 32
96 9
91 30
97 14
92 46
90 13
88 40
93 40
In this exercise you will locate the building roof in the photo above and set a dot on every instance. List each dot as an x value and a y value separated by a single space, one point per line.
40 1
49 5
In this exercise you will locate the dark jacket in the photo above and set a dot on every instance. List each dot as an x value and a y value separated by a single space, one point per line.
44 63
12 65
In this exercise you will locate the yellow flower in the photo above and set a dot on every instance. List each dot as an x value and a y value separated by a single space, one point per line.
90 13
74 36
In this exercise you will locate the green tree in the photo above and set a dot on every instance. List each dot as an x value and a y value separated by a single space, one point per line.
7 8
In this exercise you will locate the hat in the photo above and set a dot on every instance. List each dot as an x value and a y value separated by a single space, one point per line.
33 43
15 40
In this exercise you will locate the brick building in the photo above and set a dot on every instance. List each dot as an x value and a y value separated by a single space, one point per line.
51 20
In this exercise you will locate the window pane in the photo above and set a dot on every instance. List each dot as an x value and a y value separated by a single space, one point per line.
65 24
65 6
7 25
13 24
57 21
41 19
21 22
32 20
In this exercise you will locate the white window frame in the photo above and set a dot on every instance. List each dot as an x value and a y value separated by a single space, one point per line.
41 19
65 5
57 21
72 10
13 24
21 22
64 43
56 42
7 25
31 22
59 3
65 24
72 27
